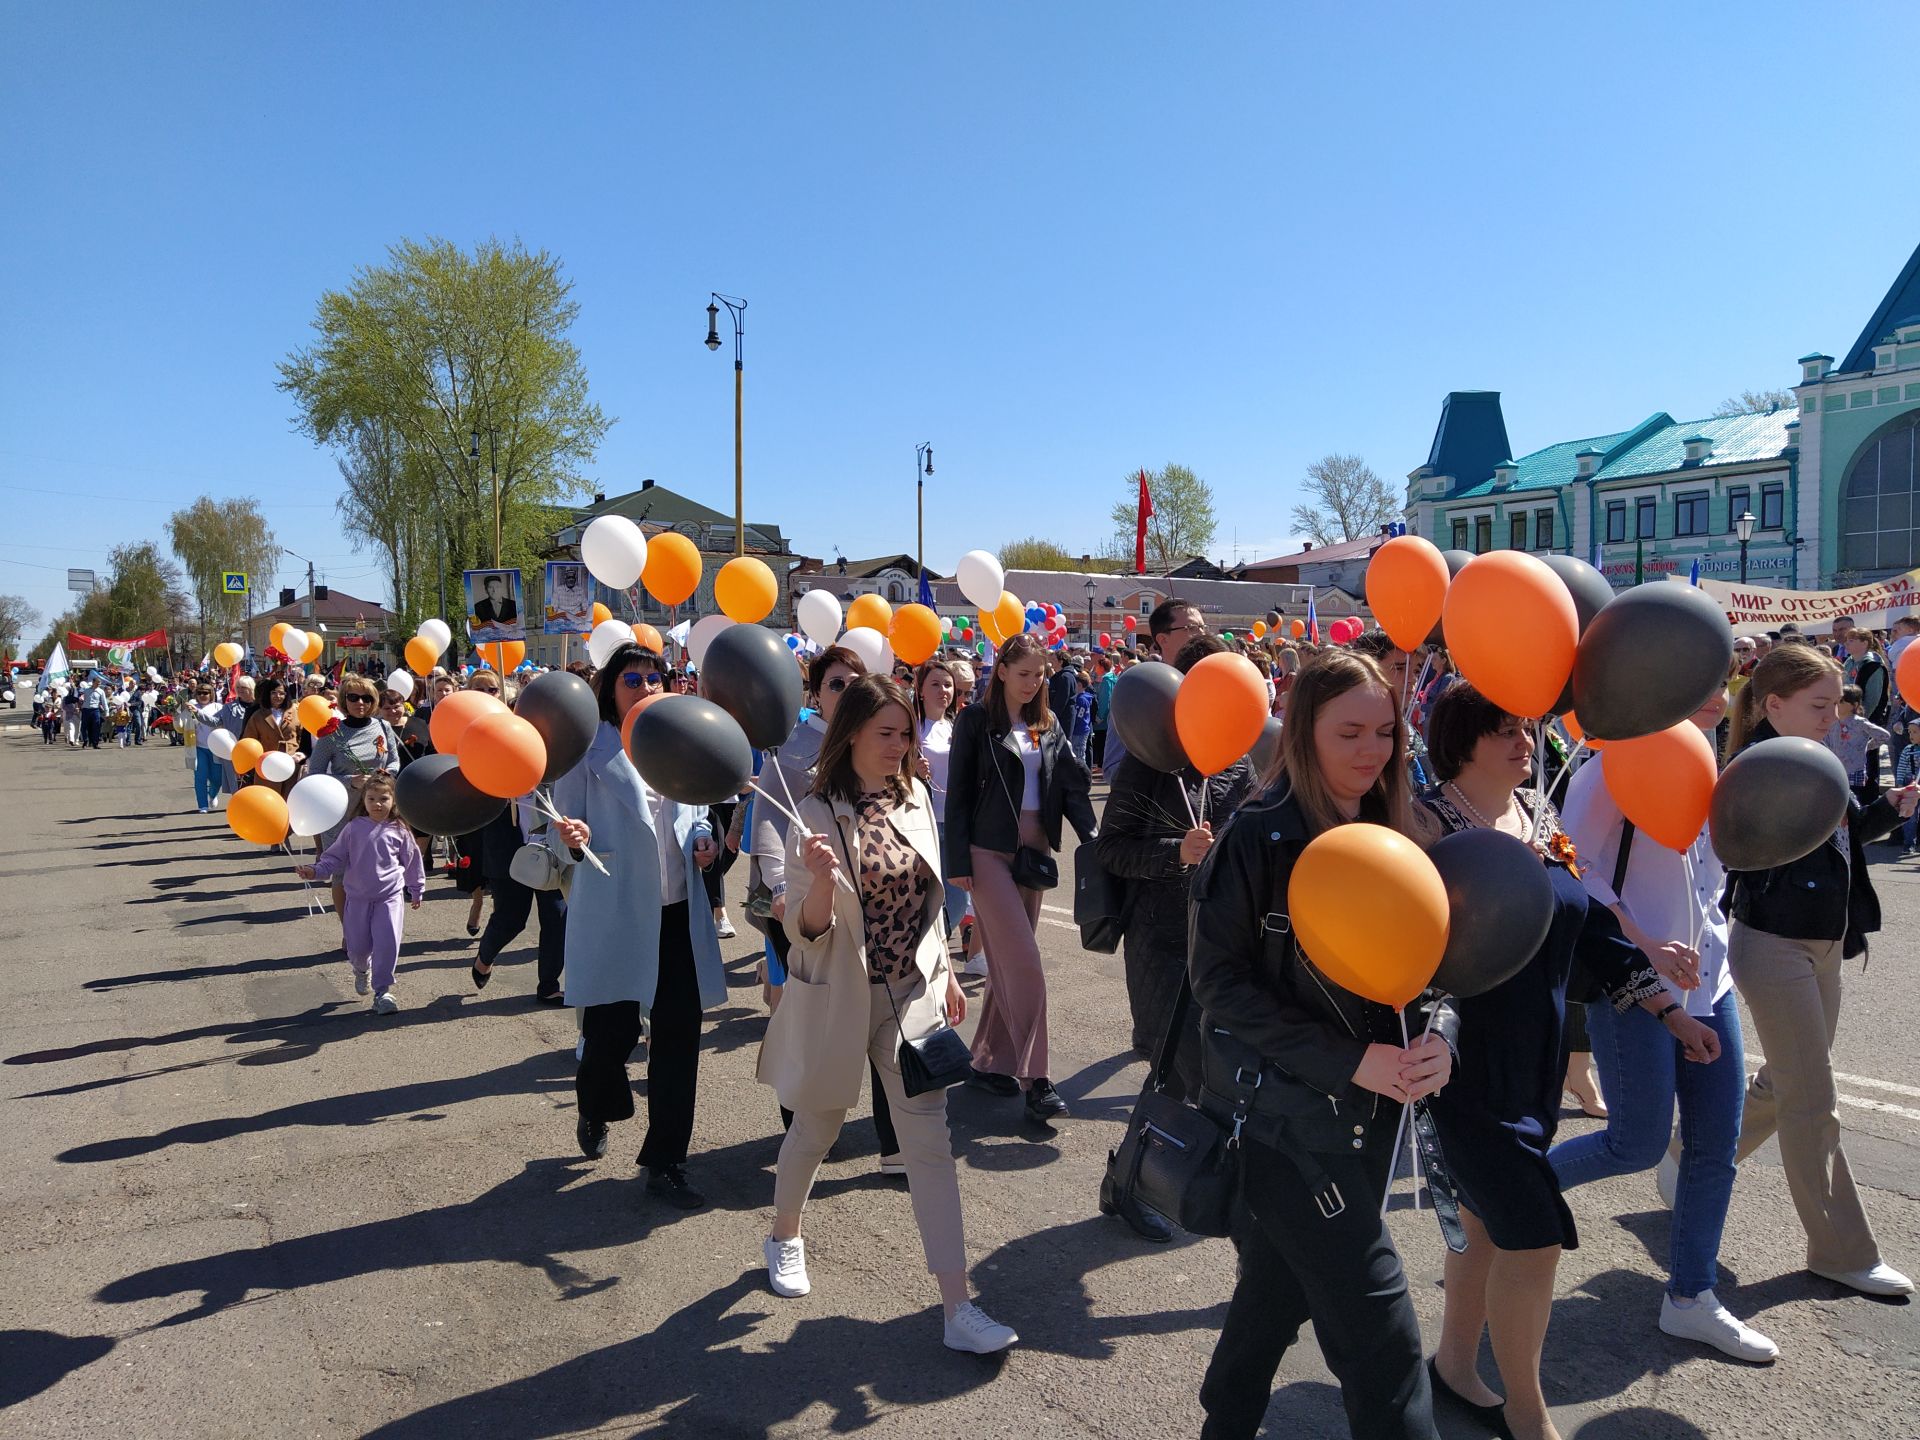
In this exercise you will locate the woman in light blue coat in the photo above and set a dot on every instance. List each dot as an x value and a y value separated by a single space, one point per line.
635 946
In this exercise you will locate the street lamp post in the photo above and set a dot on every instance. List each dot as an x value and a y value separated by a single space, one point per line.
738 310
1092 585
922 467
1743 528
493 469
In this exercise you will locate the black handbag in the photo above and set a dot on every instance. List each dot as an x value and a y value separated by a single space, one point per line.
1099 901
1031 869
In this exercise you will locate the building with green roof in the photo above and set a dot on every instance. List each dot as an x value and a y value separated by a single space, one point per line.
1830 482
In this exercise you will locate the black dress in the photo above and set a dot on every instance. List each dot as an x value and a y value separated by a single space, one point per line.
1497 1116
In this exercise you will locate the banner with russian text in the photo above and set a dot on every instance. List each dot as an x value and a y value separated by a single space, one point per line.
1752 608
152 640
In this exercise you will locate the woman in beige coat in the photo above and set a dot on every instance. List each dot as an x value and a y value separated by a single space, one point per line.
868 960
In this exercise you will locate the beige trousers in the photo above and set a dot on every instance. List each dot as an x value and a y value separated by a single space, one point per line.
919 1120
1792 992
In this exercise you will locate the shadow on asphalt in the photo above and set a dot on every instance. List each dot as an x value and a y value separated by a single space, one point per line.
267 966
40 1359
1638 1422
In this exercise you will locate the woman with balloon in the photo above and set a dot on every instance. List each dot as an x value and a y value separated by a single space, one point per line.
271 724
1319 1033
634 943
1012 781
1497 1119
1793 835
349 747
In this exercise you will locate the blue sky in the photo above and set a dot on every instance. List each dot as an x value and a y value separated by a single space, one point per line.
1059 240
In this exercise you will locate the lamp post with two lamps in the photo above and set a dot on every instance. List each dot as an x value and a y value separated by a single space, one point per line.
736 308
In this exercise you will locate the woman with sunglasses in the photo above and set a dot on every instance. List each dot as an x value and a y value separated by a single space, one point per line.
363 745
640 938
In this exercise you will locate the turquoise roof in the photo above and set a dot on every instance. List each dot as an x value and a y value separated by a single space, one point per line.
1657 445
1547 469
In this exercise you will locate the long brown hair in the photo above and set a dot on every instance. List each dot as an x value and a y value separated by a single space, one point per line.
1034 714
945 667
1320 681
834 777
1784 670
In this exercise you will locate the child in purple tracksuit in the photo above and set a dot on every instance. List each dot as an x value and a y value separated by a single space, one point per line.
377 858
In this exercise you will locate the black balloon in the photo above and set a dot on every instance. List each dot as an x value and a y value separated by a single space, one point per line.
750 674
562 707
1141 713
1273 618
1500 907
1266 749
1591 593
691 750
1777 801
434 797
1456 562
1651 657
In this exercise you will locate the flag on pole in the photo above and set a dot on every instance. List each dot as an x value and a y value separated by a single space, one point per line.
1144 513
1693 578
1313 621
926 591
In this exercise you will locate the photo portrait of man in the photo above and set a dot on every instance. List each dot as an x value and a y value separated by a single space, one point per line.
493 606
569 598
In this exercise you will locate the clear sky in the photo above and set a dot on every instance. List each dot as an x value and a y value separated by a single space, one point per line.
1059 240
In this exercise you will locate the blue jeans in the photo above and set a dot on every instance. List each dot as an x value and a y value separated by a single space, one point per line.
206 777
956 902
1642 1073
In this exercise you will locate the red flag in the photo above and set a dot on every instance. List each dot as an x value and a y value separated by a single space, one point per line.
1140 527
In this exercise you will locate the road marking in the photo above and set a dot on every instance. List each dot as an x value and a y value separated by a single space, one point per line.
1912 1091
1063 924
1063 910
1884 1107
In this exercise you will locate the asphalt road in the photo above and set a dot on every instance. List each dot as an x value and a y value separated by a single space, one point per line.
236 1204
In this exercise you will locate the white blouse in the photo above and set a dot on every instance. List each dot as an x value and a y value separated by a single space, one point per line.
936 743
1670 895
1030 766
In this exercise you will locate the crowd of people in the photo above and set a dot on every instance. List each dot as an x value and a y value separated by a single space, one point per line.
905 833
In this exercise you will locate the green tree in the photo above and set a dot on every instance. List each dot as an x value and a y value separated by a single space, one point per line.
145 593
1349 500
1182 523
211 536
17 617
1755 402
388 502
1034 553
416 357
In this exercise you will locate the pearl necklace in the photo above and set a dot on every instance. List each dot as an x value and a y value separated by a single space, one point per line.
1460 797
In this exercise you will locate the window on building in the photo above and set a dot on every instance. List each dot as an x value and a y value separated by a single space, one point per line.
1644 525
1517 533
1482 534
1616 521
1739 501
1459 534
896 592
1543 529
1773 507
1690 513
1877 507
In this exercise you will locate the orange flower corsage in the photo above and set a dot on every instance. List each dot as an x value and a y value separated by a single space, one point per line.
1560 850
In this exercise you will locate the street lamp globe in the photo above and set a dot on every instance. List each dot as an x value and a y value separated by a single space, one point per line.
713 327
1743 526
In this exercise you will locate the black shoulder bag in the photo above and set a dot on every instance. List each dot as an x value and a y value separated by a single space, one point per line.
937 1060
1582 988
1031 869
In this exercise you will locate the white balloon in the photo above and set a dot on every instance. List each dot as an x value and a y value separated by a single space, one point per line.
871 647
607 637
819 615
277 765
297 643
701 636
981 578
221 743
615 551
436 633
317 803
400 683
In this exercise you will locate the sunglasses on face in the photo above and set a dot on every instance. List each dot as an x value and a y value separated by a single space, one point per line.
642 680
357 699
837 684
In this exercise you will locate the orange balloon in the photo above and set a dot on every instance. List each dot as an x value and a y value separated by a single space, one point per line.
1297 628
257 814
1570 722
316 647
1906 674
1370 911
1663 782
227 654
1407 586
246 755
869 612
277 638
650 637
626 725
673 568
1259 629
990 628
502 755
1511 630
504 655
1219 711
421 656
745 590
600 612
915 634
313 712
453 715
1009 616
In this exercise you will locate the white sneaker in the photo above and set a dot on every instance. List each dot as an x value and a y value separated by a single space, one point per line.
1667 1176
1711 1323
976 966
969 1329
1880 1279
787 1266
723 927
385 1004
362 981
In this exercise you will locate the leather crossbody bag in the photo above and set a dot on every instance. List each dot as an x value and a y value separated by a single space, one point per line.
1031 869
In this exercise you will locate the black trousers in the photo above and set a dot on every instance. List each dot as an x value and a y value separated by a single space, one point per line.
91 722
1096 748
600 1086
1344 1275
512 904
882 1112
720 816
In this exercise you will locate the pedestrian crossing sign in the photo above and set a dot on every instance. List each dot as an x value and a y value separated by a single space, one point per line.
233 582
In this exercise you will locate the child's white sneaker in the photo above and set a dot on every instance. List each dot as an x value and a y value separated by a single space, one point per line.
362 981
385 1004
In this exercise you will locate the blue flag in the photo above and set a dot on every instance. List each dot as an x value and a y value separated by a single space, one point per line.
1693 579
1313 620
926 591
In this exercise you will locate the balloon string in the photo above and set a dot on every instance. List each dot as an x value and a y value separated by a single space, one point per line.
544 805
754 785
1400 1130
1412 696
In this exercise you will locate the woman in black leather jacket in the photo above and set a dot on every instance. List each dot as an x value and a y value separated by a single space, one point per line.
1792 927
1332 1077
1011 780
